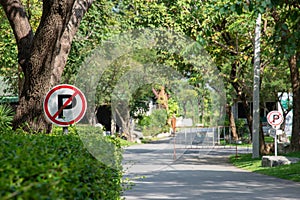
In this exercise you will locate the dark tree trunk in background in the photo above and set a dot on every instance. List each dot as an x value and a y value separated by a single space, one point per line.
232 123
42 56
241 95
294 64
289 45
244 99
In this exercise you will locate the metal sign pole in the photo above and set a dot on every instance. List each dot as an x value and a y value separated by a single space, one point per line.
275 144
65 130
174 147
275 119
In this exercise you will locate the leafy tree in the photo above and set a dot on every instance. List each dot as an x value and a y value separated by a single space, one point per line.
8 49
228 34
42 54
179 16
98 24
286 40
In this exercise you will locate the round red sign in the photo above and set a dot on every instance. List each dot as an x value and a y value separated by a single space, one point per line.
275 118
64 105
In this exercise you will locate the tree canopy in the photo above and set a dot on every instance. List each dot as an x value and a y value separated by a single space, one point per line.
49 40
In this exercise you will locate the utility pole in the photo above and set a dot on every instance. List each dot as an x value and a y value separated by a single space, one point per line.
256 83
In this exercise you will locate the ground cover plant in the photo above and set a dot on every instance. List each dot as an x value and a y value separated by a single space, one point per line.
6 117
54 166
289 172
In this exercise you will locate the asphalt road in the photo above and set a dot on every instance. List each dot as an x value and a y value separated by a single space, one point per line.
194 174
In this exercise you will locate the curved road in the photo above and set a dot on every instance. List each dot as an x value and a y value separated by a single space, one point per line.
197 174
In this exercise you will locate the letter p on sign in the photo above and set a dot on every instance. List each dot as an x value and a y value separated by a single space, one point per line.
275 118
64 105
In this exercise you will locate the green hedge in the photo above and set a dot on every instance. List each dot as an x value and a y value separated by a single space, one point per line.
56 167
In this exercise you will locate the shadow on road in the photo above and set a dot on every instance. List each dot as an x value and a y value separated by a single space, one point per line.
202 173
211 184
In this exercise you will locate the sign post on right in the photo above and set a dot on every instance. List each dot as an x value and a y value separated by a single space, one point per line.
275 119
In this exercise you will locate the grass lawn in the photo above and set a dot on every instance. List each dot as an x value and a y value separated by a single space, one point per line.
290 172
125 143
269 139
224 143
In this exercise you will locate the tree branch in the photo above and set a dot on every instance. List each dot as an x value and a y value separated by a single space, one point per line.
225 47
22 30
79 8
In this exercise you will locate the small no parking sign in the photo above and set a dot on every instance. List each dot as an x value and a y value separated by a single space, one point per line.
275 118
64 105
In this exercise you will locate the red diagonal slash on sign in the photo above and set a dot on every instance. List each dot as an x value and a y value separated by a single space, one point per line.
65 105
50 105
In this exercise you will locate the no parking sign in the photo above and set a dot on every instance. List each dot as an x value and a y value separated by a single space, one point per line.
275 118
64 105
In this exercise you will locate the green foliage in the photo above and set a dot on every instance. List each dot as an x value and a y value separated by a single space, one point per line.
144 122
8 46
269 139
224 28
121 142
243 130
173 107
72 130
98 24
155 123
8 53
290 172
54 166
286 33
139 102
158 118
6 117
245 161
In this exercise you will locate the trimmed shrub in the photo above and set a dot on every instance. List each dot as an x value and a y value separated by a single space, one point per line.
54 166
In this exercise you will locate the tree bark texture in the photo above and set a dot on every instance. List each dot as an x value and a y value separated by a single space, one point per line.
42 56
122 114
232 123
294 64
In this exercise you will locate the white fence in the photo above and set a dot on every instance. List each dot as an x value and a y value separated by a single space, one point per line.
191 137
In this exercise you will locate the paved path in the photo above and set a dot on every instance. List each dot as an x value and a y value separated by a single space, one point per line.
197 174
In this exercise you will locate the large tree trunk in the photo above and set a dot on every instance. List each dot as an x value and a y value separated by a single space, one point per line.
263 148
43 56
232 123
121 112
294 63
